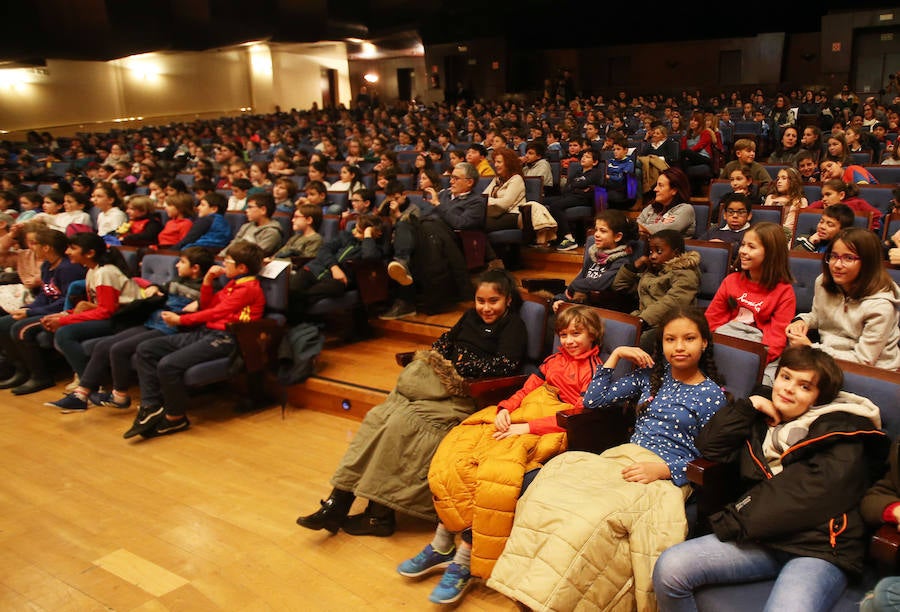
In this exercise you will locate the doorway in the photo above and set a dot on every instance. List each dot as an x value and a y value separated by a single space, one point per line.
404 83
329 87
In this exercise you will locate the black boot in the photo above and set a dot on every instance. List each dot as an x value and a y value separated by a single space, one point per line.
15 379
332 514
377 520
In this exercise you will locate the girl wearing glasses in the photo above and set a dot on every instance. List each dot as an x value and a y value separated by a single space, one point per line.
856 305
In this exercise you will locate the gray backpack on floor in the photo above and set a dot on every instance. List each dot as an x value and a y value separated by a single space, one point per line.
298 352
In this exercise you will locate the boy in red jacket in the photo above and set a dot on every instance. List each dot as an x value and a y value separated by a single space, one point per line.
162 362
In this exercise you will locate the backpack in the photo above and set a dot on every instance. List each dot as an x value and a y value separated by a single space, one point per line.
297 353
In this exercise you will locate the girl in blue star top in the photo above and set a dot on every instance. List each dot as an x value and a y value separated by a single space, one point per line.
636 490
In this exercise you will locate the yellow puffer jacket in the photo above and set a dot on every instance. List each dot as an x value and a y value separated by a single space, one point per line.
476 479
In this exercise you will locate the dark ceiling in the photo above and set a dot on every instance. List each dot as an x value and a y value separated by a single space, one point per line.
34 30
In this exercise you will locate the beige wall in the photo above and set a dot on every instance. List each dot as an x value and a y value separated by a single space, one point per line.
297 79
156 85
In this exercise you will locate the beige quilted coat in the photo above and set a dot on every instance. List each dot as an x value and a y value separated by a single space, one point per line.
585 539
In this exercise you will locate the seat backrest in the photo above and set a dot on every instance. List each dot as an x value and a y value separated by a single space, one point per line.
339 198
714 260
740 362
717 189
879 385
235 220
330 227
813 192
891 226
773 214
807 220
130 254
701 217
861 157
159 268
805 268
894 273
482 183
273 280
408 181
879 196
886 175
535 312
534 189
619 329
286 221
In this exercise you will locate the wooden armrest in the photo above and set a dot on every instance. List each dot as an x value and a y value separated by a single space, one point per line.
553 285
716 484
489 391
403 359
595 431
258 341
885 549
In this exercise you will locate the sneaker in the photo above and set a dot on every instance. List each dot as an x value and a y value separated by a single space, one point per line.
166 426
400 309
72 386
144 421
398 271
426 562
452 586
496 264
69 403
101 398
567 245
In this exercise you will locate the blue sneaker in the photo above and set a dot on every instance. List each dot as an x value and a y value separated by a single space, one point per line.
452 586
426 562
69 403
102 398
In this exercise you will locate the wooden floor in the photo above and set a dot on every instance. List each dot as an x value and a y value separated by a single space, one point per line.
204 519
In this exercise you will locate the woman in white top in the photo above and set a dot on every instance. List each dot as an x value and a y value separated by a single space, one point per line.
506 192
107 202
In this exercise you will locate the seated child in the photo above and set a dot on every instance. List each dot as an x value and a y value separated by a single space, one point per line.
806 452
834 218
210 229
8 202
836 191
487 439
617 171
180 211
238 199
110 360
327 274
613 231
667 277
76 206
30 204
162 362
284 191
361 203
316 193
738 214
588 529
260 229
306 239
143 225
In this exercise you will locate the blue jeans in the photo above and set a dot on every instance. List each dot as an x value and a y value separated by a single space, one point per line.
68 339
802 583
886 597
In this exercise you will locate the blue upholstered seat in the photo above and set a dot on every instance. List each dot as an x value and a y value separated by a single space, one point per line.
714 261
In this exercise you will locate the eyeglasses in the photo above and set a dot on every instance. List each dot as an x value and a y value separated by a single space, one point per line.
736 211
453 177
846 260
